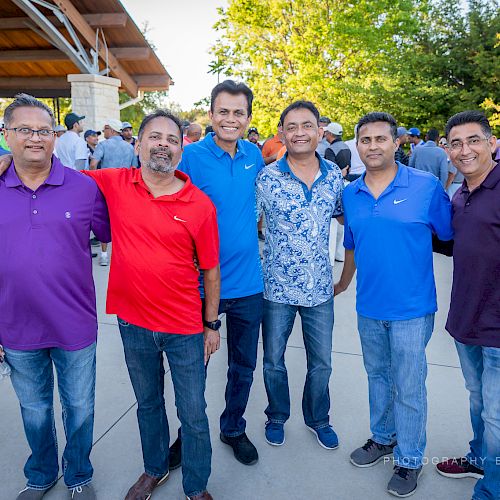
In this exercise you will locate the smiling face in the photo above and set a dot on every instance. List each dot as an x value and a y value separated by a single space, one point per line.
160 145
376 145
36 151
473 159
229 117
300 132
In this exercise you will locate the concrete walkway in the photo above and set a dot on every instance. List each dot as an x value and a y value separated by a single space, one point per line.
298 470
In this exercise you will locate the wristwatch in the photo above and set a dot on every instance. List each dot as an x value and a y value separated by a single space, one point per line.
213 325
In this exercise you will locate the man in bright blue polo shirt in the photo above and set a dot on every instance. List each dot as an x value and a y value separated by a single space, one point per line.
225 167
390 215
299 195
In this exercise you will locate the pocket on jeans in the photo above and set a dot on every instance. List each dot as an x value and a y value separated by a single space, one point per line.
122 322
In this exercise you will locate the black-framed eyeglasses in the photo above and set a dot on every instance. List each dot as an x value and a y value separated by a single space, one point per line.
27 133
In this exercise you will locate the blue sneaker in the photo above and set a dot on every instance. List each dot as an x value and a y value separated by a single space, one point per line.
326 437
275 433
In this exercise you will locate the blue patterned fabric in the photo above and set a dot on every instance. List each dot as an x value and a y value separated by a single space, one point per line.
297 267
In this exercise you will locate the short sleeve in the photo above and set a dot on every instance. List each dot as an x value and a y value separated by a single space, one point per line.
100 219
440 214
339 206
100 177
98 153
207 241
81 150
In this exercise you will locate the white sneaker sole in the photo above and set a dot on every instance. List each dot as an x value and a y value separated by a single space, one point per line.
371 464
465 475
319 442
274 444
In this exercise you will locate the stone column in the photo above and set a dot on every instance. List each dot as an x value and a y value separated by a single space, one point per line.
95 97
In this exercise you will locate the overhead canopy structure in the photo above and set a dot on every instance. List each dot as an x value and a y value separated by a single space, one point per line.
42 41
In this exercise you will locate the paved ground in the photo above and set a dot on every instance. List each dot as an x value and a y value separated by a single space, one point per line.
298 470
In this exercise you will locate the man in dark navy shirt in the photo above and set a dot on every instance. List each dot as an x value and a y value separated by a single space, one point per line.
474 317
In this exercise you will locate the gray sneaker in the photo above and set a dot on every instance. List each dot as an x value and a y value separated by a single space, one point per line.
370 453
31 494
403 482
85 492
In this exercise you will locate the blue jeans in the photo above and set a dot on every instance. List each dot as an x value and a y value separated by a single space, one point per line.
33 380
144 357
481 369
394 358
317 330
243 319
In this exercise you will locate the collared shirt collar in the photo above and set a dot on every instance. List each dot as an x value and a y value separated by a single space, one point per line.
283 166
184 194
218 151
429 144
401 179
55 178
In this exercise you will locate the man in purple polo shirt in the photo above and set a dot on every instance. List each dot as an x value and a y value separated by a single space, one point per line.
47 300
474 317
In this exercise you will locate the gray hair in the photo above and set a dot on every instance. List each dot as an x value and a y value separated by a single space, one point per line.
25 101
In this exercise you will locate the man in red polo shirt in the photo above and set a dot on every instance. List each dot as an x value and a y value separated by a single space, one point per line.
160 224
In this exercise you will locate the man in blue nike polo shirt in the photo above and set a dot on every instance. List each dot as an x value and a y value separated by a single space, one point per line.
390 215
225 167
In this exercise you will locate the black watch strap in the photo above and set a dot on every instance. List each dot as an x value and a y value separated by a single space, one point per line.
213 325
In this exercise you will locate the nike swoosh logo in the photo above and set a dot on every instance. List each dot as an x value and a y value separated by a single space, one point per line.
249 166
177 218
397 202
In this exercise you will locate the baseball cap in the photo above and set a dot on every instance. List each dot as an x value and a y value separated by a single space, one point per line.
414 131
252 129
324 119
59 128
402 131
91 132
443 141
113 123
71 118
126 125
334 128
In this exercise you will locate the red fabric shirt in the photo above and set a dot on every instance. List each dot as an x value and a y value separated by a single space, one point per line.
153 282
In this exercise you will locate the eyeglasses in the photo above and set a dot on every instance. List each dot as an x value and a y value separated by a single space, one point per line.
27 133
471 143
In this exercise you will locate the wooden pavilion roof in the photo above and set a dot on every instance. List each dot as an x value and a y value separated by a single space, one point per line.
31 62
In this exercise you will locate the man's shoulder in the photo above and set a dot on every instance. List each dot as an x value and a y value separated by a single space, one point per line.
201 201
270 172
419 177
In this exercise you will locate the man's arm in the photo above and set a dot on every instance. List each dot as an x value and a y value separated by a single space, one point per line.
413 158
80 164
443 170
211 282
347 273
5 161
93 164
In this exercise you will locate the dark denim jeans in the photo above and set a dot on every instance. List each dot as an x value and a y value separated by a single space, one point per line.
243 319
144 357
317 330
33 380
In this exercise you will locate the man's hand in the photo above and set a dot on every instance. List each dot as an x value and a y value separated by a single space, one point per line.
5 161
212 342
339 287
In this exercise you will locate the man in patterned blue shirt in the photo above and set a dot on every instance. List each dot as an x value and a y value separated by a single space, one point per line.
299 194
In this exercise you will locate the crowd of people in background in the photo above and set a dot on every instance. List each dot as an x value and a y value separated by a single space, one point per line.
185 223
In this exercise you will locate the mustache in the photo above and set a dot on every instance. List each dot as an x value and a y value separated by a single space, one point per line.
160 150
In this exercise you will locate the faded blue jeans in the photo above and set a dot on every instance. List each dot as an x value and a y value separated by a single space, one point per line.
33 380
395 361
185 354
481 369
317 330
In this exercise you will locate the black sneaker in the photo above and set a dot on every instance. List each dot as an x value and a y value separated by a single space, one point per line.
94 242
404 481
371 453
174 455
244 451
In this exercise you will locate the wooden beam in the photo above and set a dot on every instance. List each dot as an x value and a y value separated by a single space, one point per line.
103 20
131 53
157 82
83 27
39 55
37 82
32 55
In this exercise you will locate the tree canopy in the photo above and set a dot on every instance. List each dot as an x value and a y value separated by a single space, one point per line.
420 60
